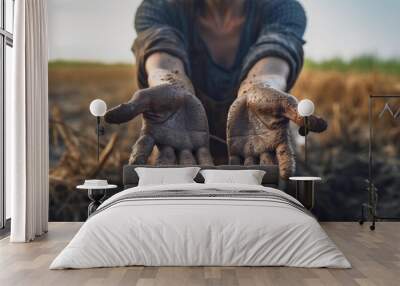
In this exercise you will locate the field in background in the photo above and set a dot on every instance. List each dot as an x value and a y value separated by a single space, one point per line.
339 89
362 64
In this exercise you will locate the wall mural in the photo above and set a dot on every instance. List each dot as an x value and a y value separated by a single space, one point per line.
193 94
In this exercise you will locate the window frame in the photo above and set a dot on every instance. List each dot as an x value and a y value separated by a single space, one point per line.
6 39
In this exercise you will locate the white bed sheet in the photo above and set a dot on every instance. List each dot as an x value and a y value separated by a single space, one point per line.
200 231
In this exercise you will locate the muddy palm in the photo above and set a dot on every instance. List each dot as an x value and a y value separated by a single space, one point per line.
174 120
258 127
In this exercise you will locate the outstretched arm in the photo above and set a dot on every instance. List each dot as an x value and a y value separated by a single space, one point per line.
159 65
173 118
271 71
163 68
258 120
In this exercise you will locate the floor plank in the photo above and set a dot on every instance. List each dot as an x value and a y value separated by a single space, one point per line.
375 257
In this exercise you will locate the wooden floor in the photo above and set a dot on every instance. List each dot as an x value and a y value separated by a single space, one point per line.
375 257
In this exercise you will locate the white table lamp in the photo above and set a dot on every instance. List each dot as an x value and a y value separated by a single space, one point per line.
306 109
98 109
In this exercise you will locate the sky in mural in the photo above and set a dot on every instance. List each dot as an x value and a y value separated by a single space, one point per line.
102 30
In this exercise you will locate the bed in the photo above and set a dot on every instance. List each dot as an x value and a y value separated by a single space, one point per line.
197 224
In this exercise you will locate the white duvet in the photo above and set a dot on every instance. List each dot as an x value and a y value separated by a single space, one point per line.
200 231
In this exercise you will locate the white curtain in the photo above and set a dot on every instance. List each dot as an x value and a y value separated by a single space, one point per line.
27 123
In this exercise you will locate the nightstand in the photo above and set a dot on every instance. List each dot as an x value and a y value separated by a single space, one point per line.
96 194
305 188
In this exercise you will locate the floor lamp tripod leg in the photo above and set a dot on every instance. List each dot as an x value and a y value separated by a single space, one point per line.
361 221
372 226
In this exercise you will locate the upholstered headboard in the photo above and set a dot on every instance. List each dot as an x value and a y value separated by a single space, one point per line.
271 177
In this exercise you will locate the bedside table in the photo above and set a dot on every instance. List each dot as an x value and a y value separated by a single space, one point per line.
305 188
96 195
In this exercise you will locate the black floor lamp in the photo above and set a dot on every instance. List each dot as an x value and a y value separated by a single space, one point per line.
98 108
369 209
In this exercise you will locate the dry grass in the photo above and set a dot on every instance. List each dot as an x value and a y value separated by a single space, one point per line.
73 88
342 98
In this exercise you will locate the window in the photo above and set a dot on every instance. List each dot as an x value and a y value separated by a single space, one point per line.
6 44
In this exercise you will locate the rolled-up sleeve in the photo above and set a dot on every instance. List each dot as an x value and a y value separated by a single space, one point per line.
157 30
283 23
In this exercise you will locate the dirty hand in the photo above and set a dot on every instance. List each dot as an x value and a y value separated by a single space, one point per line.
258 127
174 120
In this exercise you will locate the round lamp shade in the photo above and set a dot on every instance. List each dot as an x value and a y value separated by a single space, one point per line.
305 107
98 107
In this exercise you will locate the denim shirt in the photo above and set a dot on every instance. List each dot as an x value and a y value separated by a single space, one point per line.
272 28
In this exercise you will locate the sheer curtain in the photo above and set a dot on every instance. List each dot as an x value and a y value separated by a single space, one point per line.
27 123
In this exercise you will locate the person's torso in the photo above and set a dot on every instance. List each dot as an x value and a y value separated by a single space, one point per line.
217 81
216 85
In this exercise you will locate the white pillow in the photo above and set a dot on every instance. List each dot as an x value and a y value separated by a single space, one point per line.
165 176
248 177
